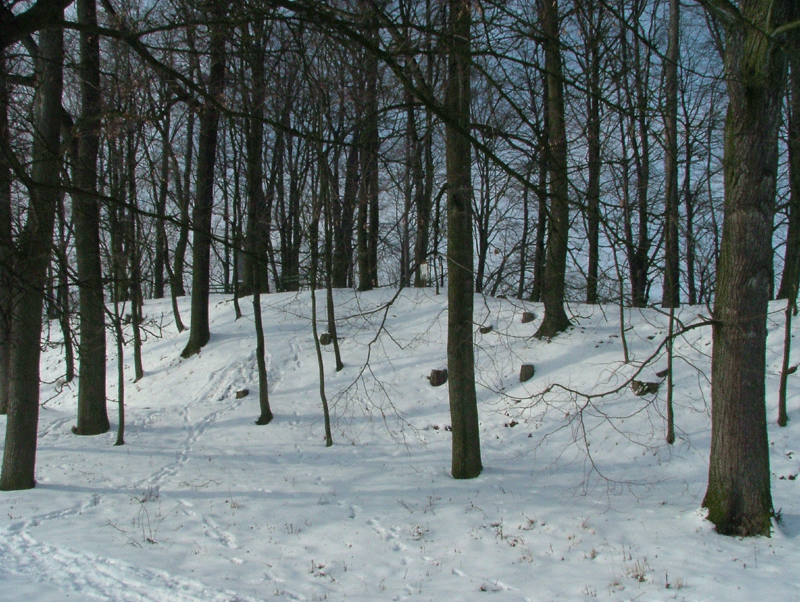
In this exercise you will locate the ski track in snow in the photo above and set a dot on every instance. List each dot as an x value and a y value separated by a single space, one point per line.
270 514
100 577
92 576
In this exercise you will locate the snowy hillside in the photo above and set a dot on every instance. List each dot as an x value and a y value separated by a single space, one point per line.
580 498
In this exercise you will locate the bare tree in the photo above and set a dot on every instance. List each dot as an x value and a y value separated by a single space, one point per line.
6 244
92 412
32 256
466 461
555 317
738 497
199 333
671 292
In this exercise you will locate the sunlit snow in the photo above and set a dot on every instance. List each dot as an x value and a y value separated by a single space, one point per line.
580 499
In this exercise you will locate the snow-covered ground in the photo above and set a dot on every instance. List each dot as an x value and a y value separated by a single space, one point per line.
579 499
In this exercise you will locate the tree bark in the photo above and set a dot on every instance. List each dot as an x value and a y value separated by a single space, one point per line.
368 217
6 246
555 317
263 381
199 332
343 218
179 257
466 453
738 497
592 18
31 261
791 264
92 411
671 292
257 210
161 250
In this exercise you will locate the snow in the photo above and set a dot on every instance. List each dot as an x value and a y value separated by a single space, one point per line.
580 499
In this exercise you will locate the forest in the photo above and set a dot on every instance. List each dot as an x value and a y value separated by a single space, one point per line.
619 152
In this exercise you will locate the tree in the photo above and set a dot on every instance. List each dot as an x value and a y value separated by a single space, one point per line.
791 263
466 460
671 292
6 244
32 256
199 332
591 22
368 214
92 413
738 498
555 318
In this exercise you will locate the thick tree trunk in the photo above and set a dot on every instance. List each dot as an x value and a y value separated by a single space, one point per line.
31 261
738 498
671 292
199 332
92 411
6 247
257 214
555 317
466 460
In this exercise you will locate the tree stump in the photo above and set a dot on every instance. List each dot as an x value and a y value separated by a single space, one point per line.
438 377
526 372
642 388
528 316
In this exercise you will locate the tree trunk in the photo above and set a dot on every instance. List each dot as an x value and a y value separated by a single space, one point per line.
540 248
134 267
257 210
368 219
326 191
120 341
555 317
199 333
466 460
161 255
263 382
33 256
671 292
689 203
313 241
791 264
179 258
423 199
62 293
343 218
738 497
6 247
593 19
92 411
